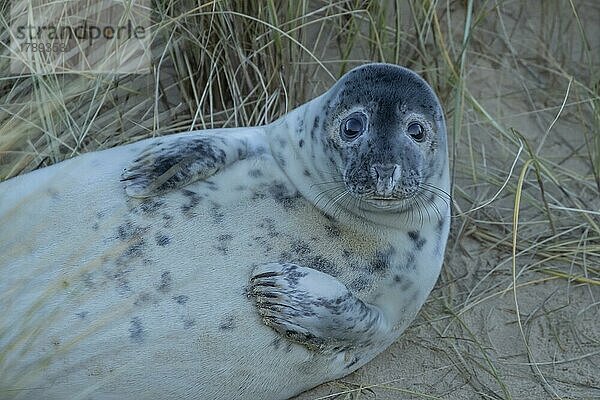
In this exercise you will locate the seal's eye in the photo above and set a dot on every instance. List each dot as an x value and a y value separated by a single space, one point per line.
353 126
416 131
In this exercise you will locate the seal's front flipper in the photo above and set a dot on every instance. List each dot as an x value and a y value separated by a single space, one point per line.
174 162
313 308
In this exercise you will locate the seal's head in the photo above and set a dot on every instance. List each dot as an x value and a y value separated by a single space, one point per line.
384 132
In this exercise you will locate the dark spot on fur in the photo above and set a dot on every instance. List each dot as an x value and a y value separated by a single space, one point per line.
306 172
333 231
228 323
359 283
284 257
148 206
142 299
136 330
223 243
276 343
82 314
168 220
322 264
405 285
166 280
268 224
211 185
255 173
258 194
120 277
193 199
128 231
440 224
328 217
136 249
379 263
301 143
300 248
215 211
162 240
181 299
263 243
188 323
283 195
410 261
381 260
281 159
417 239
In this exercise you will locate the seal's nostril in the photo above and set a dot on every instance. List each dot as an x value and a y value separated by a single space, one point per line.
396 174
374 173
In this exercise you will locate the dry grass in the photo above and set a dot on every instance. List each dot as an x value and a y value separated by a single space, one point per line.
520 82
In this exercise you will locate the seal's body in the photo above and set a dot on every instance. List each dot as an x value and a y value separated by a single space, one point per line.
234 264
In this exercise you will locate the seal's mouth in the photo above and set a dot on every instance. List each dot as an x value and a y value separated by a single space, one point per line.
383 189
387 202
384 203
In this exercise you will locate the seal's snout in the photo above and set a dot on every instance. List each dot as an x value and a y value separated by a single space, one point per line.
386 177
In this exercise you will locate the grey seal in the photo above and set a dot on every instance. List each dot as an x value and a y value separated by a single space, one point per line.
228 264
